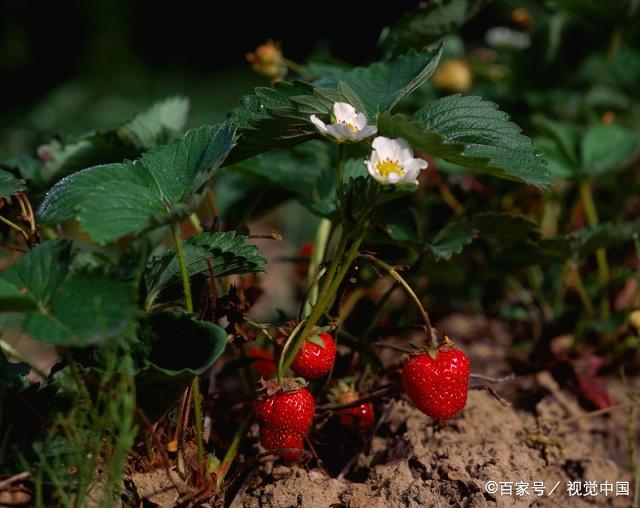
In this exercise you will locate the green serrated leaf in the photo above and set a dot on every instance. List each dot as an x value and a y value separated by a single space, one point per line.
270 119
226 253
10 185
606 148
174 348
471 132
500 231
429 23
586 241
295 170
161 187
158 125
62 307
382 85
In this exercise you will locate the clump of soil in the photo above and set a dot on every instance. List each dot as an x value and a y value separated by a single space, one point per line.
413 462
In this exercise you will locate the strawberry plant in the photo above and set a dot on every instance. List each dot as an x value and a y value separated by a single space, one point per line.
438 181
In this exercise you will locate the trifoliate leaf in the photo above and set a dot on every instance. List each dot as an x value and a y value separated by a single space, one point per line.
163 186
226 253
471 132
63 307
9 184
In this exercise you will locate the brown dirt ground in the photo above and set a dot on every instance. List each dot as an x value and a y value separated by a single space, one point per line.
428 466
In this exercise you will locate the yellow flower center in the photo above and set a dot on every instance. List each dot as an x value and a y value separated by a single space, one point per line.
351 127
387 166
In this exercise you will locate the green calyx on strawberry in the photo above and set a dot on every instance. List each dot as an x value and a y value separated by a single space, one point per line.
360 417
437 380
285 414
316 356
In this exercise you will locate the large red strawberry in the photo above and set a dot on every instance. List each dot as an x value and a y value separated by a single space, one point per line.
273 437
262 361
438 381
285 414
314 360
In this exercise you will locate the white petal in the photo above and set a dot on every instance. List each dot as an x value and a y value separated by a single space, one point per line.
320 125
366 131
371 168
411 175
340 131
411 163
386 148
343 112
359 121
394 177
403 145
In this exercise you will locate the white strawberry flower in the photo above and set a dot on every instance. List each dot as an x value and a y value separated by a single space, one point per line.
348 125
392 162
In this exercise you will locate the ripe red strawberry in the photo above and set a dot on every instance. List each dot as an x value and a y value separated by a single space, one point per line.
273 438
291 411
438 386
265 367
314 361
359 417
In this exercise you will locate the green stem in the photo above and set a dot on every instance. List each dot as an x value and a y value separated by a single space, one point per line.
400 280
14 226
591 212
341 195
332 280
319 250
195 383
183 267
579 287
232 451
197 410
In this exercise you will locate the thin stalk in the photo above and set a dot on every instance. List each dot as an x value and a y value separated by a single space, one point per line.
591 212
14 226
400 280
195 383
332 280
184 274
195 222
341 196
579 287
197 409
319 250
232 451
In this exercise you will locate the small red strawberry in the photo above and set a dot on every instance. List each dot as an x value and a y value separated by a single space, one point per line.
262 361
314 360
438 381
288 410
273 438
360 417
